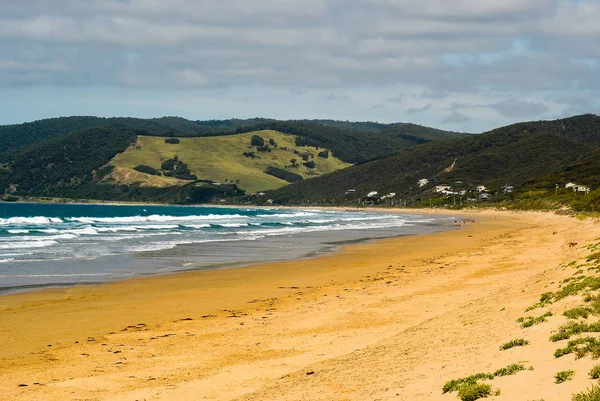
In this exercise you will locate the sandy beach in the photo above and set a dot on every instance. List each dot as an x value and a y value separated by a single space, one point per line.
389 320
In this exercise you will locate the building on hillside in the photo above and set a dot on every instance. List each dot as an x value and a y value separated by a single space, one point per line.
441 188
578 187
484 197
372 194
507 189
481 188
350 191
422 182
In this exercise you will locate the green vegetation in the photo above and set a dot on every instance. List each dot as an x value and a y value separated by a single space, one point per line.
563 376
142 168
518 342
283 174
226 159
520 154
581 347
593 394
474 391
455 384
545 299
595 372
570 329
530 320
579 312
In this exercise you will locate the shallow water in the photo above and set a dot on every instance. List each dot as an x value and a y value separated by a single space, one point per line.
65 244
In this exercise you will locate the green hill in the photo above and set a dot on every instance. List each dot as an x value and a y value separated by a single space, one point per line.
221 159
518 155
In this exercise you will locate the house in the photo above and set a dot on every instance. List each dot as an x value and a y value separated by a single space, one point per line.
481 188
372 194
441 188
484 197
459 182
578 188
350 191
507 189
422 182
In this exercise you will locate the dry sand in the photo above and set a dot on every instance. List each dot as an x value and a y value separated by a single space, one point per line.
389 320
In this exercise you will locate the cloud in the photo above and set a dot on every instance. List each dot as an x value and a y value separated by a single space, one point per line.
448 52
520 108
395 99
332 97
455 118
378 106
416 110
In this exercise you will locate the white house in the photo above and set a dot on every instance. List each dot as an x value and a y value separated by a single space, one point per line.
481 188
578 188
422 182
507 189
441 188
350 191
372 194
484 197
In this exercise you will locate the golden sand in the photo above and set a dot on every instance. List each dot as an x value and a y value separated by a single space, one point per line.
388 320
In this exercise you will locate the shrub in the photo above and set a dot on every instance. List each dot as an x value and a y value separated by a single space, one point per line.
283 174
563 376
595 372
172 141
475 391
518 342
256 140
264 148
509 370
310 164
592 394
578 312
142 168
324 154
530 320
272 142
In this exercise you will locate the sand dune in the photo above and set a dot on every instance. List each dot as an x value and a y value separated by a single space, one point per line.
389 320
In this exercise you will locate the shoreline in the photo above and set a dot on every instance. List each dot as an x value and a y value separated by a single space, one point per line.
390 319
184 257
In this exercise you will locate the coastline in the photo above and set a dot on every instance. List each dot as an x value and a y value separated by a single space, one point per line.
311 314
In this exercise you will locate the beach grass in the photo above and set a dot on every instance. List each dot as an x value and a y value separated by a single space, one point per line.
592 394
530 320
517 342
563 376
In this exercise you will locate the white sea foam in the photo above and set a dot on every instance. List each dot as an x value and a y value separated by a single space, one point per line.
196 225
233 225
37 220
7 260
152 218
27 244
18 231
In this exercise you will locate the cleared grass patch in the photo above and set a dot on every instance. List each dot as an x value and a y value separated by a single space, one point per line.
517 342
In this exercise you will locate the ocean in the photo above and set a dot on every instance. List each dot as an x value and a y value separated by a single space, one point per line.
65 244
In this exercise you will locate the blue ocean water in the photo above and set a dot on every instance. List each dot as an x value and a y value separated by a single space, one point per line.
63 244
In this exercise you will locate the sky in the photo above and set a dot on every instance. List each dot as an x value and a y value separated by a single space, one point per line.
463 65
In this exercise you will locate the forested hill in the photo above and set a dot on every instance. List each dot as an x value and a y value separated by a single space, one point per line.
351 142
519 154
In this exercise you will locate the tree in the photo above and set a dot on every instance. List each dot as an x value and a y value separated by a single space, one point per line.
257 141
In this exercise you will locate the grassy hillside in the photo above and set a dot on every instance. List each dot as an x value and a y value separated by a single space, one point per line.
221 158
517 155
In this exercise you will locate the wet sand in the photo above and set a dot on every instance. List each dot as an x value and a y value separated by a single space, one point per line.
390 320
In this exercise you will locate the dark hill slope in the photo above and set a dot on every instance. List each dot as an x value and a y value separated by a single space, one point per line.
350 145
516 154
